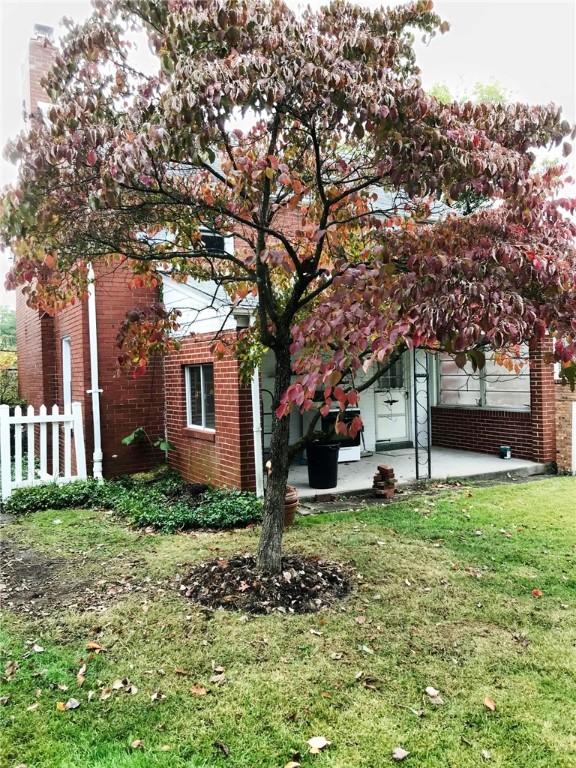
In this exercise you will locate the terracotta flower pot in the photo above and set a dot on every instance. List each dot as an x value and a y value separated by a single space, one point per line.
290 505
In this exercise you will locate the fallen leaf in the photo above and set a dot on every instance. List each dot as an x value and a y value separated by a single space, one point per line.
105 694
537 593
317 744
292 764
118 684
62 687
336 656
91 695
32 707
316 632
10 670
221 747
72 704
366 649
181 671
37 648
360 619
490 704
157 696
81 675
399 754
198 690
95 647
4 700
137 744
219 679
434 696
60 706
131 689
486 754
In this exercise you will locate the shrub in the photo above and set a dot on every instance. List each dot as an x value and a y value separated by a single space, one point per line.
79 494
164 501
227 509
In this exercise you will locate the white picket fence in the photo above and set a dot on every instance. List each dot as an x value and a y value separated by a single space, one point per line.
67 430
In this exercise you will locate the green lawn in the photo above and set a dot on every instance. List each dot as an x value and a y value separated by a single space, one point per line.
443 598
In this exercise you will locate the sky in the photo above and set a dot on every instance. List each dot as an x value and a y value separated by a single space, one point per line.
527 46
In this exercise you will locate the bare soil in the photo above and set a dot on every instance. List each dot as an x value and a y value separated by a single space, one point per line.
35 583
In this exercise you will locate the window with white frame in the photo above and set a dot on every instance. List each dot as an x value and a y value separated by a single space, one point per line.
199 381
496 386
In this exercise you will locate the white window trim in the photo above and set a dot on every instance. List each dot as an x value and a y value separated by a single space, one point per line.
481 375
188 393
66 344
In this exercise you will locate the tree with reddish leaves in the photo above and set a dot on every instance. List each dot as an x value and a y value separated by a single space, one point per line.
255 114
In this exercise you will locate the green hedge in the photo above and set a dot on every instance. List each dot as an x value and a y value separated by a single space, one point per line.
164 502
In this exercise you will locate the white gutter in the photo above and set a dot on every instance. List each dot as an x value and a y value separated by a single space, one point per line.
94 384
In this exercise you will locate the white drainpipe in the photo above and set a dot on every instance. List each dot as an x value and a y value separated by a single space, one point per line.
94 384
257 432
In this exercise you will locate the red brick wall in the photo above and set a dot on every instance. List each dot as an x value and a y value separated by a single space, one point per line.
564 405
126 402
531 434
542 402
226 456
35 344
474 429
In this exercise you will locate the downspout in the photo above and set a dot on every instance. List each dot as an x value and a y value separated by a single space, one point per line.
94 383
257 433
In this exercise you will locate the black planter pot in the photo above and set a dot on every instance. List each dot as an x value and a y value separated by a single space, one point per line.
322 464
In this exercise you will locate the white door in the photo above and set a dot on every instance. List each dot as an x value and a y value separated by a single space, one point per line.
392 404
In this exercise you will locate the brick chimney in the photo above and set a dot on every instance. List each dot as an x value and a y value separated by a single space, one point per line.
41 53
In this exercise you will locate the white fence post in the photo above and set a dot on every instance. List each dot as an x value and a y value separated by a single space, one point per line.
5 458
55 444
72 424
17 446
30 445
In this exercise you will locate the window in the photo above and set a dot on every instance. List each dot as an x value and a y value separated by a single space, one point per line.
213 243
496 386
393 378
199 380
67 374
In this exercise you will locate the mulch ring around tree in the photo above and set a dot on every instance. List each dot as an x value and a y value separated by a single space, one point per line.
305 585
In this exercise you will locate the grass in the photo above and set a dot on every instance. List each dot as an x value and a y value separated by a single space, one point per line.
443 598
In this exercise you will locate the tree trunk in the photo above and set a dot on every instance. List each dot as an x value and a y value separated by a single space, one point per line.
270 547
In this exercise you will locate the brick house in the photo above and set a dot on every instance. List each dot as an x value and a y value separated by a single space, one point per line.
218 426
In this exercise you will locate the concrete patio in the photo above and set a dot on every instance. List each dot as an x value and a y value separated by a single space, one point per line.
447 464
